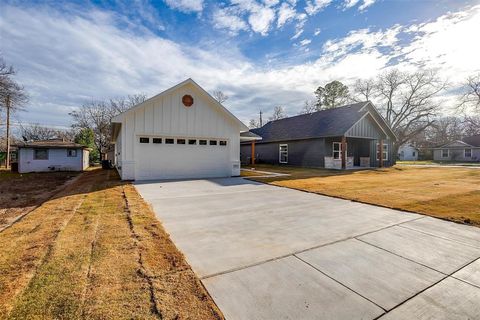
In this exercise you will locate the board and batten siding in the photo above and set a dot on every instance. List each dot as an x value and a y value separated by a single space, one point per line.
57 160
165 116
366 128
308 152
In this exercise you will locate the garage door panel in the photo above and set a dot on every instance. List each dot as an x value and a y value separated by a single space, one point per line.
161 161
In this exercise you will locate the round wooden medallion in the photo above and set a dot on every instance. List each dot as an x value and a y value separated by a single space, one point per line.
187 100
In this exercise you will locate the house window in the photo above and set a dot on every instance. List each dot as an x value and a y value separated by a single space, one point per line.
413 153
385 151
169 141
180 141
192 141
223 143
144 140
157 140
445 153
467 153
283 153
213 142
202 142
40 154
71 153
337 150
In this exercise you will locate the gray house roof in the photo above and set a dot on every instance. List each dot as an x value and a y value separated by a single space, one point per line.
473 140
325 123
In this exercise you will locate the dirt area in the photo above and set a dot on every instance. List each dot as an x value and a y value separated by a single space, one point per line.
95 250
448 193
20 193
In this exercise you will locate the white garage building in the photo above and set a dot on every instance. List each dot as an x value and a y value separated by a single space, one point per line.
180 133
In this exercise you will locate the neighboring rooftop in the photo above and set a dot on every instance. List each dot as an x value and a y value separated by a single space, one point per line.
473 140
51 144
325 123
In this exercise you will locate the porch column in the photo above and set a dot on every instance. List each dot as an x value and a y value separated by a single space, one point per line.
380 147
253 152
344 156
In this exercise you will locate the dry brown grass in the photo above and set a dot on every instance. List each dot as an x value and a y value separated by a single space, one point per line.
449 193
96 251
21 193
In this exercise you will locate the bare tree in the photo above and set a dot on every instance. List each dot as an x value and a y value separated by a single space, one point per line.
38 132
12 98
472 125
220 96
253 124
470 104
278 113
122 104
309 106
97 116
408 101
363 90
470 98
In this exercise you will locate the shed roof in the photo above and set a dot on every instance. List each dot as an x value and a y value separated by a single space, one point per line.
324 123
50 144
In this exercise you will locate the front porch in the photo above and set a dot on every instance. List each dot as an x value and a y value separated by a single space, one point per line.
355 153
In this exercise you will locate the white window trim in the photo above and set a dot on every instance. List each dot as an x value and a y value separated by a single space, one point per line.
280 153
441 153
465 152
385 150
339 150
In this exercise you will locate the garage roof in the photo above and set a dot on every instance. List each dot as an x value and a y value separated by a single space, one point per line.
243 127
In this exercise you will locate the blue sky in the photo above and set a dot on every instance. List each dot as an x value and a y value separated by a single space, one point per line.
262 53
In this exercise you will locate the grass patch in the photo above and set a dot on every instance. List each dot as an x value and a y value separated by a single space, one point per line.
96 251
449 193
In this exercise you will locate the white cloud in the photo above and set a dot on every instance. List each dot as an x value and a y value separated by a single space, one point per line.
366 4
97 59
317 32
271 3
349 3
285 13
225 19
305 42
261 19
315 6
186 5
297 34
447 44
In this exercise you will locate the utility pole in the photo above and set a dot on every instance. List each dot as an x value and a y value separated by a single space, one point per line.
261 121
7 104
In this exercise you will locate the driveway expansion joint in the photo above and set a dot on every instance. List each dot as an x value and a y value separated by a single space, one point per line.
340 283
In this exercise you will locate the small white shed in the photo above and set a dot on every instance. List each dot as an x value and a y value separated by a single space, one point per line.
181 133
52 155
408 152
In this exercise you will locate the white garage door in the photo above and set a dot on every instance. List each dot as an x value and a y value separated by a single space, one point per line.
168 158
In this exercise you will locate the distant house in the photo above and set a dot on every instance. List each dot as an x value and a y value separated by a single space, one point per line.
52 155
465 150
351 136
408 152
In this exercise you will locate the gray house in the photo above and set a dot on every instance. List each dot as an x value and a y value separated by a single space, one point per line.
319 139
465 150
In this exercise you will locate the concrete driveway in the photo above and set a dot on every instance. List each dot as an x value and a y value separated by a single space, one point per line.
265 252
